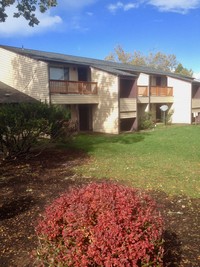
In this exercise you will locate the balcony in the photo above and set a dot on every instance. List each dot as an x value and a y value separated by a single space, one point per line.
71 92
73 87
161 91
158 94
155 91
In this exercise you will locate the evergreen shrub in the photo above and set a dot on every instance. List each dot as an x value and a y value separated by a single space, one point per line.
146 121
22 124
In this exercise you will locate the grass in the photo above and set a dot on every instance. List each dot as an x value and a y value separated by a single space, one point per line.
166 159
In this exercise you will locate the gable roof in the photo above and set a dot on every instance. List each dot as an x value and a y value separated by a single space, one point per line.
108 66
10 95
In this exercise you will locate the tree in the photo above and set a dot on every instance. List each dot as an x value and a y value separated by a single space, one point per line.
26 9
120 55
161 61
183 71
157 60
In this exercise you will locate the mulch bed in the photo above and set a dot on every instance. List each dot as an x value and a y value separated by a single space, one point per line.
26 186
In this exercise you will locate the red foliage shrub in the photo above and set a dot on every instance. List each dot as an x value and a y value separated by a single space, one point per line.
101 224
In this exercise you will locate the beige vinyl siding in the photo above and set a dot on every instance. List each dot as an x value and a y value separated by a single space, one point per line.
161 99
128 115
142 109
128 107
196 110
106 113
74 99
73 112
196 103
143 99
25 74
128 104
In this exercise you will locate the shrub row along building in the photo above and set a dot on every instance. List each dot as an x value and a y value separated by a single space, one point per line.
103 96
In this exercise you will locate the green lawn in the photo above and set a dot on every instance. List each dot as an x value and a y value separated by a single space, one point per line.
166 159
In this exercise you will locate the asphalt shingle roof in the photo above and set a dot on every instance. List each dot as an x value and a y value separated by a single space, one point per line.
109 66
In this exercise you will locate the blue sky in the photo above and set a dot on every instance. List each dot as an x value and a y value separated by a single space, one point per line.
93 28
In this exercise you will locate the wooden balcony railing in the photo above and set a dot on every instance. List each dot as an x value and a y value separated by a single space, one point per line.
161 91
155 91
73 87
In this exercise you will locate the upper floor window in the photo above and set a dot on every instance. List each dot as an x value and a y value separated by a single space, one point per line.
159 81
57 73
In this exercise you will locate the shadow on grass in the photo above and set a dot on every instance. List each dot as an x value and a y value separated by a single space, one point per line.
88 142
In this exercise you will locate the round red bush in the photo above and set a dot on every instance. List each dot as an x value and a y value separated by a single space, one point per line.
101 224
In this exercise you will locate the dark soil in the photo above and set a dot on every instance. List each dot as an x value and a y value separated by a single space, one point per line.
26 186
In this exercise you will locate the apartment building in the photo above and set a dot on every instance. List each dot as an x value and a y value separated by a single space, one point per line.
102 96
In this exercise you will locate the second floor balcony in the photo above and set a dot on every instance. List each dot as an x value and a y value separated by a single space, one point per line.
161 91
73 87
155 94
143 91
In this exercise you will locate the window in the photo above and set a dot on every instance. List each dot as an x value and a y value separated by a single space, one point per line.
158 81
59 73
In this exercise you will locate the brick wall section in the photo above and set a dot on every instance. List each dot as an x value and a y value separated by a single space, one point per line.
25 74
106 113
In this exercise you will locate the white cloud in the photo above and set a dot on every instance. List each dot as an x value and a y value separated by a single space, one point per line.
179 6
90 14
19 26
119 5
129 6
74 13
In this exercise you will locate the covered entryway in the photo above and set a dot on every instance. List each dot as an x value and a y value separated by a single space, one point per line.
159 114
85 117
